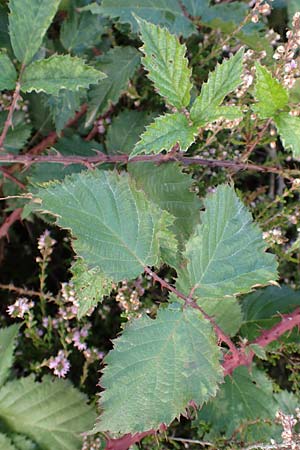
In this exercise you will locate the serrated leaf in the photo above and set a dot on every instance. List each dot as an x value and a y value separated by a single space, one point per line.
90 286
226 255
166 64
243 398
125 130
165 13
59 72
81 31
170 188
117 228
119 64
262 309
271 96
225 79
259 351
52 413
5 443
22 442
156 368
164 133
7 346
28 23
288 128
8 74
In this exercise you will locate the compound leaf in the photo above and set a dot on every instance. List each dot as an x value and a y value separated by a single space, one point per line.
52 413
59 72
289 129
156 368
8 74
226 255
28 23
117 228
170 188
276 98
166 64
119 64
164 133
225 79
7 346
165 13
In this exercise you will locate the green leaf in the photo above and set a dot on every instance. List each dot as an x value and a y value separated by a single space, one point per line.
90 286
225 79
8 74
5 443
28 23
125 130
7 346
289 129
276 97
116 228
52 413
226 256
160 12
293 6
226 312
156 368
64 106
59 72
243 398
262 309
170 188
119 64
18 135
166 64
164 133
81 31
22 442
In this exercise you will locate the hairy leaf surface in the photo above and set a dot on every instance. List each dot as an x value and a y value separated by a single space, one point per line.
225 79
170 188
8 74
116 227
226 256
269 93
156 368
28 23
160 12
244 397
166 64
52 413
119 65
59 72
289 129
164 133
7 345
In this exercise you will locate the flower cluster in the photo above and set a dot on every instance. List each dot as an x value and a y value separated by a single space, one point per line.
290 439
285 54
59 364
260 7
274 236
21 306
129 294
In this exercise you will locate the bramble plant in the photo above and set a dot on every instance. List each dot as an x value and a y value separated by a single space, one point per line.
160 143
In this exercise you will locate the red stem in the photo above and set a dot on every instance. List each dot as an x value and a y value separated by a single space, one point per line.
9 221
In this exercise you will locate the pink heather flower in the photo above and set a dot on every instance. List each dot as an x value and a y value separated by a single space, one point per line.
79 337
45 241
60 364
21 306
